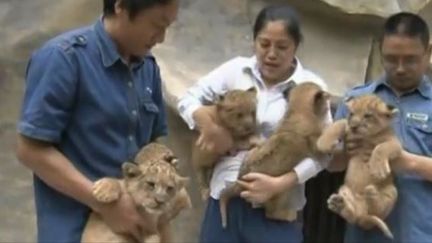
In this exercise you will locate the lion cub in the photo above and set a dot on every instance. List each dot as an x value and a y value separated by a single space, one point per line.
368 194
156 151
235 111
293 141
155 187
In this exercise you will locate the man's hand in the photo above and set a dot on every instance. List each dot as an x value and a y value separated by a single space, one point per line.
259 188
213 138
123 218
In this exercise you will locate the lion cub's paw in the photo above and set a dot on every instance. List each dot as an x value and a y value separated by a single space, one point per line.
256 141
379 167
326 145
336 203
371 192
152 239
106 190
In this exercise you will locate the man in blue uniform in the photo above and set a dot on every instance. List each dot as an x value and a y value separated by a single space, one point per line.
405 54
93 98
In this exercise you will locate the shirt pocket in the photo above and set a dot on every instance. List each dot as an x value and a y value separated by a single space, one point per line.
420 134
148 113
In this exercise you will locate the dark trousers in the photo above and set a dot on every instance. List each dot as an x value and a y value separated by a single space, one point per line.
246 224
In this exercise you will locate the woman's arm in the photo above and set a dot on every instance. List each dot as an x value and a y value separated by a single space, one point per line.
205 91
192 109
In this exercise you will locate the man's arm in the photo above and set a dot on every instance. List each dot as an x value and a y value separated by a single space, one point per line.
55 169
418 164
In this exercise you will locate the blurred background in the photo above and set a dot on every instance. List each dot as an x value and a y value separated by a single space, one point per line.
340 45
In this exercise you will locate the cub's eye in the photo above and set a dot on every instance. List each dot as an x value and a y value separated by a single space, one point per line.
368 115
229 110
239 115
170 189
150 184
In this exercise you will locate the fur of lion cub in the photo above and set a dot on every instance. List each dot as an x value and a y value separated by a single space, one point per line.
368 193
236 112
153 184
293 141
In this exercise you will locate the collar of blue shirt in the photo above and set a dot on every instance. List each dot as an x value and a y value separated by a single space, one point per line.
108 49
424 89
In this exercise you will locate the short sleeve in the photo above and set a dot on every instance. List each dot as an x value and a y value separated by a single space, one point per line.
51 83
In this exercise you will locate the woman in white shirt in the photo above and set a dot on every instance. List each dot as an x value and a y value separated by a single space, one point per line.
271 70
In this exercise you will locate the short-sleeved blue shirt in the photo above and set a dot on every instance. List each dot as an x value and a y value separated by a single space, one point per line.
97 110
411 219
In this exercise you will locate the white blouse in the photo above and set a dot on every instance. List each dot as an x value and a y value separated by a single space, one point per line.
242 73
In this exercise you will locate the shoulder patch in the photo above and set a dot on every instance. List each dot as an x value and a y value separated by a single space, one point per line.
68 43
360 86
80 40
360 90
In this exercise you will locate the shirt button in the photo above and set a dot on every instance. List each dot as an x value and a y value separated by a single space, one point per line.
134 112
130 84
131 138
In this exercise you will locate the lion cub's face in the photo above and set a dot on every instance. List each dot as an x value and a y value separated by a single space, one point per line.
237 111
369 115
153 184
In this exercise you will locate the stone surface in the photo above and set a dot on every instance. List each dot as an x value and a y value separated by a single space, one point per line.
381 8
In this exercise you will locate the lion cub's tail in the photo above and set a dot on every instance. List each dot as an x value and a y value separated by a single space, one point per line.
374 220
226 194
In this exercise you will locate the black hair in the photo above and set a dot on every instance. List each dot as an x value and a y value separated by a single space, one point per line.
279 13
407 24
132 6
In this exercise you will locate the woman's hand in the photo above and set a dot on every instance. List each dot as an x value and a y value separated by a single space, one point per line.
259 188
213 137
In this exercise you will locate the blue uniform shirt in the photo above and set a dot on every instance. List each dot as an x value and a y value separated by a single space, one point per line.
97 110
411 219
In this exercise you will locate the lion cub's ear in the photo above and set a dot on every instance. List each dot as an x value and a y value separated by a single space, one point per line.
321 95
219 99
252 90
349 102
392 111
130 170
173 160
286 93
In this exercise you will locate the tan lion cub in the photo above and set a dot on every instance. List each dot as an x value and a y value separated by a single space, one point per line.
293 141
235 111
156 151
156 189
368 194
